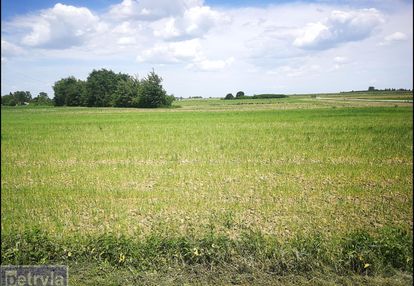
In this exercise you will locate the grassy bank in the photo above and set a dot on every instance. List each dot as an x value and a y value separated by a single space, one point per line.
384 254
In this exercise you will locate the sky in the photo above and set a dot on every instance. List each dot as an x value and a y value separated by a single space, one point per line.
210 48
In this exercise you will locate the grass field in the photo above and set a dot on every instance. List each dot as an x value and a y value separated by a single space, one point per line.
293 191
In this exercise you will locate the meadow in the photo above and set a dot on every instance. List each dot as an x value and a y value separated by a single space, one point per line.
291 191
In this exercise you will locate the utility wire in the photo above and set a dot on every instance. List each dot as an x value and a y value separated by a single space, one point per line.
29 77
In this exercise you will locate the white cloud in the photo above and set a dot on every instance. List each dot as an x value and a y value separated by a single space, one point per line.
198 20
126 41
397 36
211 65
296 71
340 60
185 52
59 27
194 22
166 28
9 49
175 52
340 27
149 10
312 34
392 38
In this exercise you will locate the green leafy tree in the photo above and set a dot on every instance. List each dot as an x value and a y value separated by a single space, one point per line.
69 91
8 100
101 86
229 96
169 100
152 94
16 98
239 94
42 99
127 93
106 88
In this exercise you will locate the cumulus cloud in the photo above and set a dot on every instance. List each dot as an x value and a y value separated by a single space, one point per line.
296 71
126 41
149 10
189 51
340 60
211 65
194 22
60 27
128 24
339 27
172 52
394 37
9 49
397 36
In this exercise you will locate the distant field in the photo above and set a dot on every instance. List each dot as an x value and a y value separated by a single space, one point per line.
308 101
261 191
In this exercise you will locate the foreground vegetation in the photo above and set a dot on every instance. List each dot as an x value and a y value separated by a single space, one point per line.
266 191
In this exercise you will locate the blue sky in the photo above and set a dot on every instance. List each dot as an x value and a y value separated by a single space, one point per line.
210 48
11 8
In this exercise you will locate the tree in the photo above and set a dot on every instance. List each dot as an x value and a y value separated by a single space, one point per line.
229 96
152 93
239 94
371 88
8 100
69 91
16 98
106 88
127 93
22 97
101 86
42 99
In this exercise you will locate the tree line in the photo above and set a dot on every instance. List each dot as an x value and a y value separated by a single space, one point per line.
25 97
102 88
241 95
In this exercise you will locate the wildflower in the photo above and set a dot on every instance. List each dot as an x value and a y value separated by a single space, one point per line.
121 258
195 251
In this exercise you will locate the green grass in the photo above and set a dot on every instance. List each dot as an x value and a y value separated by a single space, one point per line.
238 191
